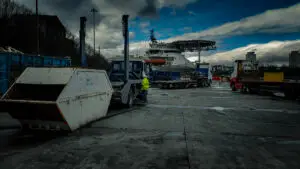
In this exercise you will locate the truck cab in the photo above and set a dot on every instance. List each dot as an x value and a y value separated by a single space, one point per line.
206 70
136 68
242 69
126 91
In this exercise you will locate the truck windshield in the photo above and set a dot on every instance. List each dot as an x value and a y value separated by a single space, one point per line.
134 66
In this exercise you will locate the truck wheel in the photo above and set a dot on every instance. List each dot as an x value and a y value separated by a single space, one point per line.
198 83
181 86
176 86
251 90
244 89
129 103
207 83
25 129
232 86
202 84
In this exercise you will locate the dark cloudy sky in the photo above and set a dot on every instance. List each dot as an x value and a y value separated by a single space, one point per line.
271 28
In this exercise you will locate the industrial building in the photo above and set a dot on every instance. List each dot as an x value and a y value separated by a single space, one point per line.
251 57
294 59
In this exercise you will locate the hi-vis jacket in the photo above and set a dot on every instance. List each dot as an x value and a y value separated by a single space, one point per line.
145 84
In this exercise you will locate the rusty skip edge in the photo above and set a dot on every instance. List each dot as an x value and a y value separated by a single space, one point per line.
28 101
83 96
53 102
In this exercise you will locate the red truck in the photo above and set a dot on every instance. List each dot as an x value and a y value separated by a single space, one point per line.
241 70
249 78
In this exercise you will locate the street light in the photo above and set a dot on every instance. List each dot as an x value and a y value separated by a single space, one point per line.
37 28
94 11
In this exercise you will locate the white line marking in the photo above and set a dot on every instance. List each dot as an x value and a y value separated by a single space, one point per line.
218 108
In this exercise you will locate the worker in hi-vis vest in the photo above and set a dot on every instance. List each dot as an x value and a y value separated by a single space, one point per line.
145 87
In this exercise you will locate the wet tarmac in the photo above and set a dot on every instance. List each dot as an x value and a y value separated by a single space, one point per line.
189 128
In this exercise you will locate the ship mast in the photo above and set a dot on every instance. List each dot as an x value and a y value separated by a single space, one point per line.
152 36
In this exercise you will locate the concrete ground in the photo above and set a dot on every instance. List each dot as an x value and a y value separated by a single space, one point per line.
7 122
189 128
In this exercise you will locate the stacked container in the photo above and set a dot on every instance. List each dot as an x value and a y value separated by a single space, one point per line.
12 65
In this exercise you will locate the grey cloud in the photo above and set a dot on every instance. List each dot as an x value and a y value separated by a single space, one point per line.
283 20
176 3
273 52
108 44
69 11
272 21
150 9
107 19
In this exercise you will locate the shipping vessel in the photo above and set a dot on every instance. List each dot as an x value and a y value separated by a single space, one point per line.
167 56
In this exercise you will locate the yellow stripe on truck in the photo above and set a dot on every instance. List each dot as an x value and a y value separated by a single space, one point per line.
273 76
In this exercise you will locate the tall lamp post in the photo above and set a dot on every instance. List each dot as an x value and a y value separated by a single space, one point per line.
37 28
94 11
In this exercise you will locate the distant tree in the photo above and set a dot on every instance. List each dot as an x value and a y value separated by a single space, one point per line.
69 45
9 8
69 35
98 62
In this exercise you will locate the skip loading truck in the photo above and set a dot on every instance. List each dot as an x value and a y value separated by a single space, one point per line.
68 98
